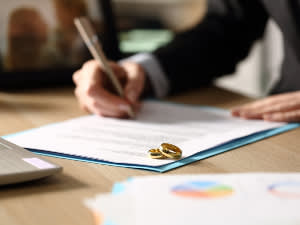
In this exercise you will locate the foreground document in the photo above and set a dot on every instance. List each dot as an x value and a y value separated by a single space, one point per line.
124 142
235 199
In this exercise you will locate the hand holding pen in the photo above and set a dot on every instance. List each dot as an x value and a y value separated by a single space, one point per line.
106 88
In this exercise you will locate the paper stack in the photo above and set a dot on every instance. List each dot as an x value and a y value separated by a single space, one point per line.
236 199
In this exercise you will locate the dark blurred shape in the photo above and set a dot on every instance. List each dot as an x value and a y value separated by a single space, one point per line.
38 55
27 34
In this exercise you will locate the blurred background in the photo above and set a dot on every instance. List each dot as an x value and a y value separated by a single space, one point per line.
162 18
50 40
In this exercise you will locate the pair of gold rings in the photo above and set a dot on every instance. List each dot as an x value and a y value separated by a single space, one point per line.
165 151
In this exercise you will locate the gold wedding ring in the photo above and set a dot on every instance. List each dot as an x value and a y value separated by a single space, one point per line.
156 154
165 151
170 151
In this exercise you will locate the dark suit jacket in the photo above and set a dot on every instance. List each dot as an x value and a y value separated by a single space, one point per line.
224 37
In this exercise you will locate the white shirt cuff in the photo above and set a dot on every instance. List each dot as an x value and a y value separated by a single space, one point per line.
157 77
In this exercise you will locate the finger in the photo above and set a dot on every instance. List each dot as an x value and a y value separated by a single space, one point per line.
96 107
119 73
90 66
283 102
290 116
81 100
135 82
118 70
76 76
258 104
253 109
137 107
102 111
98 100
103 99
83 107
285 106
107 113
268 109
89 76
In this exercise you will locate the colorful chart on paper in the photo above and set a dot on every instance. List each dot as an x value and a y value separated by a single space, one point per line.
287 189
202 189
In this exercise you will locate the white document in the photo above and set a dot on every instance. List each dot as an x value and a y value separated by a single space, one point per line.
192 128
239 199
236 199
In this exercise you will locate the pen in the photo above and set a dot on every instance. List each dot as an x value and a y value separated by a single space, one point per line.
90 38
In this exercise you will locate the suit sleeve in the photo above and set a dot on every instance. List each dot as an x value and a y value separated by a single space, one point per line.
213 47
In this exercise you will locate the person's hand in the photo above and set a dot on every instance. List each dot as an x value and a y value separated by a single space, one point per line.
279 108
95 92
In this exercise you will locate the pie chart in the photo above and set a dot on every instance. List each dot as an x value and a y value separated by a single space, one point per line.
289 189
202 189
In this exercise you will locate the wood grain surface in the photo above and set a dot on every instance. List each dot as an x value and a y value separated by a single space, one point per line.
58 199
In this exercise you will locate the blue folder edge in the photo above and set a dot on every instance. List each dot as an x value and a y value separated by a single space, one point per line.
201 155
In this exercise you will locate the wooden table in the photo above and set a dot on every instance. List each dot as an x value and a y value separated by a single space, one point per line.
58 199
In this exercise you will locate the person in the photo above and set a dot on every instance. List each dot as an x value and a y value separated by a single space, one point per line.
27 36
68 42
196 57
70 47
